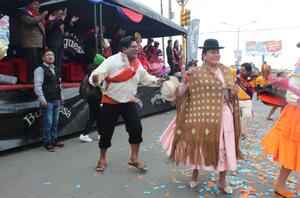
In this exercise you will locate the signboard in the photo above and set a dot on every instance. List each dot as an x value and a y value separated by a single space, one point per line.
4 36
254 48
192 40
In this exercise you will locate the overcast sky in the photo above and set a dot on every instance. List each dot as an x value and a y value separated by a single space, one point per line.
280 16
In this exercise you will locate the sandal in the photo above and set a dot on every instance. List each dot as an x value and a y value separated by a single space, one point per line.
226 190
101 166
233 173
193 184
285 194
142 167
195 179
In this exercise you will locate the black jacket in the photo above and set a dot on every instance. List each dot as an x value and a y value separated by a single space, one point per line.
55 34
51 85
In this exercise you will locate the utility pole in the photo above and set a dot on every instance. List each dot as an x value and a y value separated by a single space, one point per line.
237 52
170 14
184 21
162 39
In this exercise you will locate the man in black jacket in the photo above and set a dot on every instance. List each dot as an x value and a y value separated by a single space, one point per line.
56 34
48 90
171 58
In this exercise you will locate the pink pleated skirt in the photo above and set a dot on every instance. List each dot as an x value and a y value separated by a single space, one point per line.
227 152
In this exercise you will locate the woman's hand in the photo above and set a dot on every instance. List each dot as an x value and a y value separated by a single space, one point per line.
234 89
187 76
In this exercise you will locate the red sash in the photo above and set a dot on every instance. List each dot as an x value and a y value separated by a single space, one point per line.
246 87
32 13
124 75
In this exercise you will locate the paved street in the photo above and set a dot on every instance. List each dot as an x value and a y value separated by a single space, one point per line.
69 172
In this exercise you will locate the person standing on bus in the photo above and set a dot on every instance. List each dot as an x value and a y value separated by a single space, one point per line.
33 35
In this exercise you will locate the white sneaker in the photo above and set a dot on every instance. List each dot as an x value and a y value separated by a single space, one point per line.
85 138
98 137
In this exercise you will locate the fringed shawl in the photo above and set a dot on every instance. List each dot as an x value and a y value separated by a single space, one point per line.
199 118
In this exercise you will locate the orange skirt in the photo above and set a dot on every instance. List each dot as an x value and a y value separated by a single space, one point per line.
283 140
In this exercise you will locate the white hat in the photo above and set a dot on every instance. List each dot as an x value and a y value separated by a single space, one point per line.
106 43
168 88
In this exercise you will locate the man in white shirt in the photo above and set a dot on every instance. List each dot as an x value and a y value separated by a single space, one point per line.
119 76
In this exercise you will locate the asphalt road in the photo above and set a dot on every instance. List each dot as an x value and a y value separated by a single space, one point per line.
69 172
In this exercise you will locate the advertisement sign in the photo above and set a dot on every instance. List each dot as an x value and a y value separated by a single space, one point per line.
254 48
192 40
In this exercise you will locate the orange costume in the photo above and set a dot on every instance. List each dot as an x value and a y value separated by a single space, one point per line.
283 140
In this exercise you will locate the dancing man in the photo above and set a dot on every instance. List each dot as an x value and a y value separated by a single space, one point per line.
119 76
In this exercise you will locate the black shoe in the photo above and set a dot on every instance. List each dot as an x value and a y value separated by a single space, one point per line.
58 144
49 147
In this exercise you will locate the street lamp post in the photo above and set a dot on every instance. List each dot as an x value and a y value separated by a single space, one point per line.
238 53
182 3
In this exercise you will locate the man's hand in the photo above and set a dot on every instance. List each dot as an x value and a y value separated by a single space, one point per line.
44 13
62 101
65 12
96 79
187 76
74 19
43 104
234 89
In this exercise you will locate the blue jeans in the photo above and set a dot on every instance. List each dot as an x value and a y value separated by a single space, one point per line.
50 118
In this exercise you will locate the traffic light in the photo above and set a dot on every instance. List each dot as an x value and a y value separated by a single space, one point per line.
182 18
187 17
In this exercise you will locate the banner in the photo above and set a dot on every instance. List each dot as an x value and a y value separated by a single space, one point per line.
254 48
73 43
192 40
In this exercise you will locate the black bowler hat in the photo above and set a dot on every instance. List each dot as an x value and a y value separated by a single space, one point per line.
210 44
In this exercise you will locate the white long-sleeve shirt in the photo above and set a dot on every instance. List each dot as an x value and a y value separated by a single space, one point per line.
121 92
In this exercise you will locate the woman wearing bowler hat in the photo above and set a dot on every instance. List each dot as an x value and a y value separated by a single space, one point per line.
207 128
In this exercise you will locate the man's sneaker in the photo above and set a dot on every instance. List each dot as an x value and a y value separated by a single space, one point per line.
58 144
49 147
85 138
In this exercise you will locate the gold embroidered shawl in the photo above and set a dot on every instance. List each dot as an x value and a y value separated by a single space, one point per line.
199 118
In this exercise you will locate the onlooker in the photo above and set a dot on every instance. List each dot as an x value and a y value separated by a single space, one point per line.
171 58
118 34
94 102
158 51
90 47
149 49
246 90
47 88
56 35
33 35
178 56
